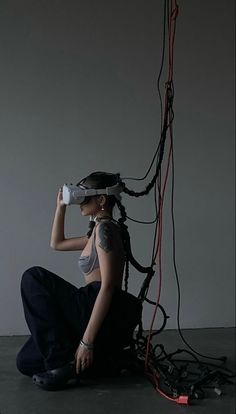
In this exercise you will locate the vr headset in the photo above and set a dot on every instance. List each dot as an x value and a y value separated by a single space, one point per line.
73 194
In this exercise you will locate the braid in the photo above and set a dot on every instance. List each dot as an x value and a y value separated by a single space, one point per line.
123 214
126 274
128 253
125 237
91 227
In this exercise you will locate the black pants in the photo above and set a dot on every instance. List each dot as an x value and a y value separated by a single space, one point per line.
57 314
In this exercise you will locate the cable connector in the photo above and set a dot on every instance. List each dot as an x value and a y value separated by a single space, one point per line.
182 399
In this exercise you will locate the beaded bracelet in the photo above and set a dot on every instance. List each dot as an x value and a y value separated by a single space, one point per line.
88 347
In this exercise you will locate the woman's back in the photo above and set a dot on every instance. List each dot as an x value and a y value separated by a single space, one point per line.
107 236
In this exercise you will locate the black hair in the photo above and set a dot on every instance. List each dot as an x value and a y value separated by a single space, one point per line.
101 179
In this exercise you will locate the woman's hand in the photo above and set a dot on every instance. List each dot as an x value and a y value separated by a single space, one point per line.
83 357
60 201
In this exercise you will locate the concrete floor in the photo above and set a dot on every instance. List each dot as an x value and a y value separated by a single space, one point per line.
126 394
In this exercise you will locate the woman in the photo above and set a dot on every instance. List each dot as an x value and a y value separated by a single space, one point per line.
77 329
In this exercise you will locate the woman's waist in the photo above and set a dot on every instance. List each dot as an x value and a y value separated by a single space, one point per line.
94 279
94 276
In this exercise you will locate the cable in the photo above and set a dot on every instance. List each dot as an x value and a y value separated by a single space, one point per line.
143 222
158 249
159 94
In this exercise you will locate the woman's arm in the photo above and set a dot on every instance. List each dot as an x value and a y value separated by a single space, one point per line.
110 274
58 240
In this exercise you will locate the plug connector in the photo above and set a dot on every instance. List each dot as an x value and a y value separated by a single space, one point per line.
182 399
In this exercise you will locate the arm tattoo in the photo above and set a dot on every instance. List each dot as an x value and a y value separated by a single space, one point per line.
105 235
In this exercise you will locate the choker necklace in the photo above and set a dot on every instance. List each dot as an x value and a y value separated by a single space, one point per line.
97 219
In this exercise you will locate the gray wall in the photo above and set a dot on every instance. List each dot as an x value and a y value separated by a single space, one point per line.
77 94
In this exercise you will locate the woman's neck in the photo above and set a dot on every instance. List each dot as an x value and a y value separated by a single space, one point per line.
101 216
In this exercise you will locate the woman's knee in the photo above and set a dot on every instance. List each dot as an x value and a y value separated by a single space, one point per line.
31 274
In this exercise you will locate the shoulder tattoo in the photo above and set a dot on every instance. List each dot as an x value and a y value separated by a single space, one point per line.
105 236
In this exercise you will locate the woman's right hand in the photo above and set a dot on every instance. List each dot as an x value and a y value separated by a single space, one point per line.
60 201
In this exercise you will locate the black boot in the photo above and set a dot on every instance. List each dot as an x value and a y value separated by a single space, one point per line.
57 378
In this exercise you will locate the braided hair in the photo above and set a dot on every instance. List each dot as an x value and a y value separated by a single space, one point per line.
125 238
91 227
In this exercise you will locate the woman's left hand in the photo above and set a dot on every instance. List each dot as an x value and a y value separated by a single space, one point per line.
84 358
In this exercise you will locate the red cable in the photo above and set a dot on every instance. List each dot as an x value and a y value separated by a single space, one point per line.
172 27
181 399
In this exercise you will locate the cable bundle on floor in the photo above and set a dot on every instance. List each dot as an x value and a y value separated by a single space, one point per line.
180 376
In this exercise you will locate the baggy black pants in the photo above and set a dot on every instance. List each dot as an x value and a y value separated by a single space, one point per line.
57 314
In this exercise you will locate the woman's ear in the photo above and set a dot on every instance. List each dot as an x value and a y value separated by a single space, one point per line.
102 200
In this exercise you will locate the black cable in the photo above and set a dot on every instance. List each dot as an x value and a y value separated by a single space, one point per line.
162 64
157 209
149 169
231 375
159 94
143 222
